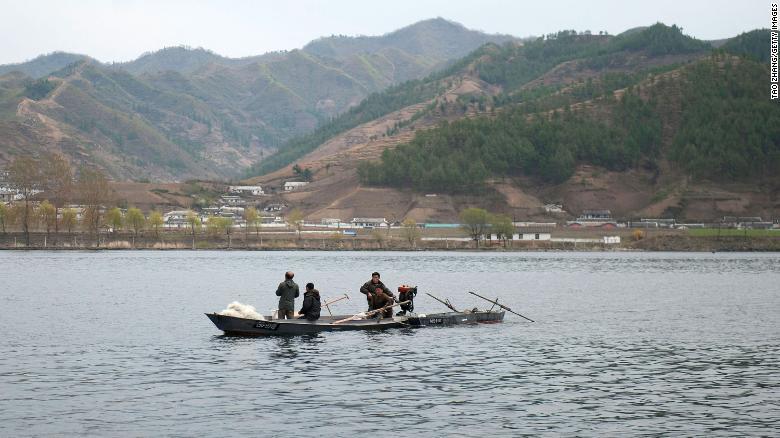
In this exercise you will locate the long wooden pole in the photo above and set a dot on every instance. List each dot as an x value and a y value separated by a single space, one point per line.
500 305
328 303
446 303
371 313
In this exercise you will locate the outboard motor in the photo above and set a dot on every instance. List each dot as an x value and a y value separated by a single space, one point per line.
406 293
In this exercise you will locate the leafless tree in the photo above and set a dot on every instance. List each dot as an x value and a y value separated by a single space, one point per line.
94 192
57 184
24 174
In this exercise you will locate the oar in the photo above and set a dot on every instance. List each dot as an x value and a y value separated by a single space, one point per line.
446 303
500 305
328 303
371 313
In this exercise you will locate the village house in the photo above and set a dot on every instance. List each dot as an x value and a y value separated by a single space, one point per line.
526 224
594 218
7 195
521 236
246 190
531 236
595 215
231 212
553 208
289 186
175 220
271 208
272 220
369 222
749 222
231 200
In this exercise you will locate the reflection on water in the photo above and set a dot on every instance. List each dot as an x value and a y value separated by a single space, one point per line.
116 343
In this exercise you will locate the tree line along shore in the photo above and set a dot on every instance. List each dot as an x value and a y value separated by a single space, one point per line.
43 217
394 240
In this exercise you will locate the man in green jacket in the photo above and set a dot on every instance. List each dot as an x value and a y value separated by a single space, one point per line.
287 292
375 287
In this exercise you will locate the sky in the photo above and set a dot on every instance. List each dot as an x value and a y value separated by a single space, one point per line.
122 30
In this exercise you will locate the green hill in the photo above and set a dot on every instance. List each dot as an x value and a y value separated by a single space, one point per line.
754 44
183 113
727 130
43 65
511 67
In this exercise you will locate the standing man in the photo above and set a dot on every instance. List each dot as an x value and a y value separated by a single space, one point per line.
373 287
287 292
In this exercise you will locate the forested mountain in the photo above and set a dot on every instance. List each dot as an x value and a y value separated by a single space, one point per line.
183 113
646 122
43 64
437 38
509 68
753 44
726 130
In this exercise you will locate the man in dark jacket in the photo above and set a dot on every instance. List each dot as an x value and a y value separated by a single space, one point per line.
371 287
287 292
379 299
311 303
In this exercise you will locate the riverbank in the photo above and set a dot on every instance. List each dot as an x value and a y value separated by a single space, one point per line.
659 241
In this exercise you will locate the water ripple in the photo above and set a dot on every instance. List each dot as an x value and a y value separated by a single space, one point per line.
648 344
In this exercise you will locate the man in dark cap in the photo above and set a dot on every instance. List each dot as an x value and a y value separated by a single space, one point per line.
287 292
373 288
311 303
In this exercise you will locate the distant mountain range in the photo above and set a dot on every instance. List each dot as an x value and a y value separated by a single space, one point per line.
427 120
182 113
647 123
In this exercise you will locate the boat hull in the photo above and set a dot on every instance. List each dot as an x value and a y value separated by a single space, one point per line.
234 326
456 318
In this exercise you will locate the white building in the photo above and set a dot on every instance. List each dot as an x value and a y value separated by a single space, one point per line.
7 195
246 190
270 208
532 236
231 200
228 211
553 208
535 224
369 222
175 220
289 186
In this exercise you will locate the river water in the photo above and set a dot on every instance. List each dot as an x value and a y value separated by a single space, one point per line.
116 344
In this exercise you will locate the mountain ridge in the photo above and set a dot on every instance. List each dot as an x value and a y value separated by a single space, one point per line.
661 186
213 115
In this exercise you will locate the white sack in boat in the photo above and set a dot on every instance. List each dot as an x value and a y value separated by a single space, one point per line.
241 311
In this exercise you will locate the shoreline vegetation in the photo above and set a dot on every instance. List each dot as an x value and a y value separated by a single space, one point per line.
682 241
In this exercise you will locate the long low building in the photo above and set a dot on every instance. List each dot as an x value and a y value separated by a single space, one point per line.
369 222
246 190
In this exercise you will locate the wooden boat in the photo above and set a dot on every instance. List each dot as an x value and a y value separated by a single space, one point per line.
234 326
456 318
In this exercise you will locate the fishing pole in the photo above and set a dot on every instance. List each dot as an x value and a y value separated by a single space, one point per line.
446 303
500 305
